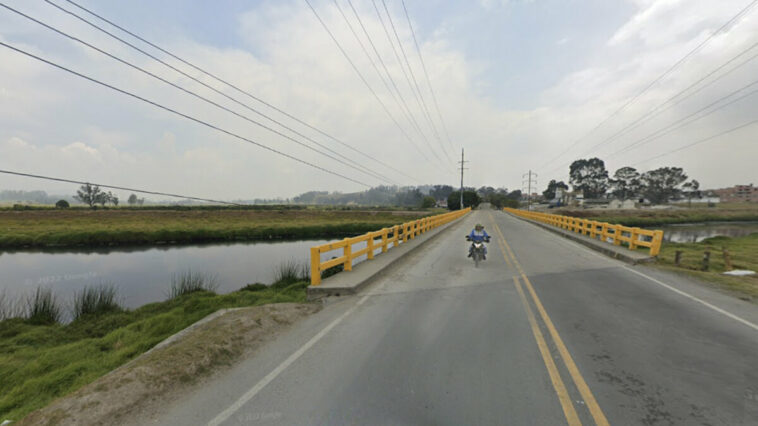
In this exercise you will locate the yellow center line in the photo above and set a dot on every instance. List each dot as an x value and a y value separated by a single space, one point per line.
572 418
581 384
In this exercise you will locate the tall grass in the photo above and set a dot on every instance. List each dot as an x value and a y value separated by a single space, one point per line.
95 300
290 272
43 307
191 282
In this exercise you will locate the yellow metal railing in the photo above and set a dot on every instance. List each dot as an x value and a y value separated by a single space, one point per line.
633 237
395 235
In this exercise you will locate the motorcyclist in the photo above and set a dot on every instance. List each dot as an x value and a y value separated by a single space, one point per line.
478 234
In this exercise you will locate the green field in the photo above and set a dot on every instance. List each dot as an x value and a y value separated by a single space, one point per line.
726 212
84 227
39 363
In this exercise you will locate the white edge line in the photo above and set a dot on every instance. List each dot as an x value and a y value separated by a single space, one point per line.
691 297
662 284
224 415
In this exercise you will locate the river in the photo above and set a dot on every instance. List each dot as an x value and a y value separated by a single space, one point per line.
143 274
696 232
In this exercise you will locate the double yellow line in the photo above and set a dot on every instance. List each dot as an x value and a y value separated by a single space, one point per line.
560 388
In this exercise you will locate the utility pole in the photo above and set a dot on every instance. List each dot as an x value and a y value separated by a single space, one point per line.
527 184
462 162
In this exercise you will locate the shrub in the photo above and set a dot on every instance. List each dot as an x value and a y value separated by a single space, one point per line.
191 282
290 272
95 301
42 307
428 202
254 287
62 204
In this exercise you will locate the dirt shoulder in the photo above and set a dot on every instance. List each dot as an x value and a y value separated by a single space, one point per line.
172 367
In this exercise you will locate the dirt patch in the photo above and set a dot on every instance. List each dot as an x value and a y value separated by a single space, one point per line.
173 366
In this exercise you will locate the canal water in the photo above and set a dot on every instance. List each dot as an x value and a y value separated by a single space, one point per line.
143 275
696 232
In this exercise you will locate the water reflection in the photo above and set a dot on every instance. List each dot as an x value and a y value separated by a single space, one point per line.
696 232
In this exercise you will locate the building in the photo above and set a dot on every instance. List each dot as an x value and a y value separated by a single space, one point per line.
738 194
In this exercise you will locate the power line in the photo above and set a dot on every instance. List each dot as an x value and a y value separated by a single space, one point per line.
676 65
349 163
401 101
676 125
419 97
426 74
698 142
399 61
660 108
363 79
189 92
165 108
215 77
122 188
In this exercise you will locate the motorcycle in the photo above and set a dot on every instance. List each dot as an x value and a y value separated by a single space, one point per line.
477 250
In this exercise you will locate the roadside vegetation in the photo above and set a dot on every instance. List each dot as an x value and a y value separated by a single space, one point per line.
742 254
85 227
727 212
42 359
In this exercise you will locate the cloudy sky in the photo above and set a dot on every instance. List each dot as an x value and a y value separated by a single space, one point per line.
519 84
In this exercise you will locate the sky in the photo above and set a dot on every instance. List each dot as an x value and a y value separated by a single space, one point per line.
519 85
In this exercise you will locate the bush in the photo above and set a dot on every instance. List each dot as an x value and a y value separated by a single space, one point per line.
62 204
254 287
514 204
470 199
43 308
290 272
191 282
95 301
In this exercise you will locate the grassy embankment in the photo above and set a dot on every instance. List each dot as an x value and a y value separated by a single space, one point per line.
42 359
80 227
743 250
727 212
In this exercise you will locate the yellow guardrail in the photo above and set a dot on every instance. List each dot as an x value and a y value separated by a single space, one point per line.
395 235
633 237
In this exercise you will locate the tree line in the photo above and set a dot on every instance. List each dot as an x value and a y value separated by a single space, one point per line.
658 186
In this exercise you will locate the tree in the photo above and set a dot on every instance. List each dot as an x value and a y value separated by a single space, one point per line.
114 199
691 190
441 192
470 199
549 193
62 204
590 177
132 200
428 202
498 198
626 183
515 195
661 185
89 195
409 198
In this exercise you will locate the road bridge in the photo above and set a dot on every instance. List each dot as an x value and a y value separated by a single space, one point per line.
545 332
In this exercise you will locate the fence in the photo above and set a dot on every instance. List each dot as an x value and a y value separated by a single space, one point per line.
633 237
395 236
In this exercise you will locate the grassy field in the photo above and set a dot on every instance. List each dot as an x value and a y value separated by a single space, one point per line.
40 362
743 252
82 227
727 212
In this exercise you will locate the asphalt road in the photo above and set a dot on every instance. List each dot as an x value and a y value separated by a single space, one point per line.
545 332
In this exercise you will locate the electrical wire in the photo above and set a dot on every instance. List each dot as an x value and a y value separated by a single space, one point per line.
189 92
122 188
419 96
349 162
225 82
671 69
426 74
173 111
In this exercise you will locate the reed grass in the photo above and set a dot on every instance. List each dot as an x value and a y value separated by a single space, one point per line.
192 282
95 300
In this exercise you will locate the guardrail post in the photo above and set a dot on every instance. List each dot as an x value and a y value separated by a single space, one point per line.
405 232
370 246
348 252
385 231
616 235
395 235
315 266
655 247
635 235
593 229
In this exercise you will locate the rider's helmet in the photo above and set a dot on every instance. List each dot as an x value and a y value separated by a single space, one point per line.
479 227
